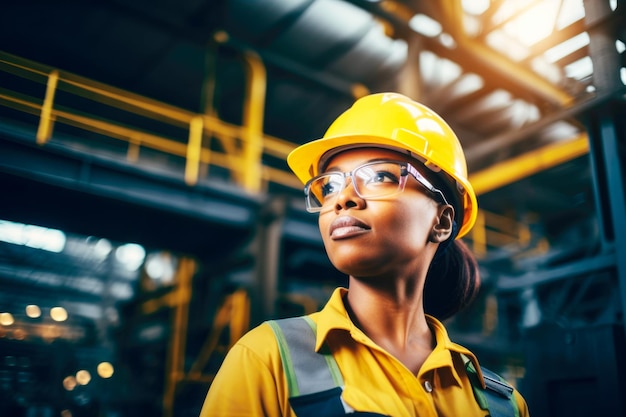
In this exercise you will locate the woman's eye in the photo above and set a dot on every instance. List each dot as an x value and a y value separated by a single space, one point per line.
382 177
330 187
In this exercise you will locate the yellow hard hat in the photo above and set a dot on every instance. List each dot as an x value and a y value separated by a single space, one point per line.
392 120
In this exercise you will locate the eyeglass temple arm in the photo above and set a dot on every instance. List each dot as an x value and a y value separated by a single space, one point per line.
422 180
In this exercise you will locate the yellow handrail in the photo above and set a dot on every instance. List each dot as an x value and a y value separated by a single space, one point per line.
243 145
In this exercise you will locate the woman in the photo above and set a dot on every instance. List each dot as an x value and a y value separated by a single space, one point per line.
389 181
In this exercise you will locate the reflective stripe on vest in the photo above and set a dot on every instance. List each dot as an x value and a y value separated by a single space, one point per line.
315 382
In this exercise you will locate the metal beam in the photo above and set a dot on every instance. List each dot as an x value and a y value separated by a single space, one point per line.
55 186
530 163
486 61
534 278
512 137
62 166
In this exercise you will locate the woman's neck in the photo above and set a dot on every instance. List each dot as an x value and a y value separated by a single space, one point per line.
393 318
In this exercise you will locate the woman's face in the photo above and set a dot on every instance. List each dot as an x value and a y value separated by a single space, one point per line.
365 238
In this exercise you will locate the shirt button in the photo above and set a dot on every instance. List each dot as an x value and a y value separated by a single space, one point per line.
428 386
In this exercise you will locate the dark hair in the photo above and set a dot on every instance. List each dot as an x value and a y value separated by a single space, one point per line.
452 282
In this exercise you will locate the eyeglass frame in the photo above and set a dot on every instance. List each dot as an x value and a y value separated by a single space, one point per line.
406 169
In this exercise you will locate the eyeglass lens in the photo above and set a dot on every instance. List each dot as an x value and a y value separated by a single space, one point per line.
373 180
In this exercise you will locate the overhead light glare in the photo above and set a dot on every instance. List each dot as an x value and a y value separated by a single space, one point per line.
131 255
36 237
69 383
425 25
570 12
102 248
475 7
6 319
447 40
105 370
58 314
567 47
161 267
83 377
579 69
33 311
534 24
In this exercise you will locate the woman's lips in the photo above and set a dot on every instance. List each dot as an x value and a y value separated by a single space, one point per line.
346 226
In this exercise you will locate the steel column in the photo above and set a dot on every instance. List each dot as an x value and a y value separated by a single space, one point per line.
605 143
608 178
266 250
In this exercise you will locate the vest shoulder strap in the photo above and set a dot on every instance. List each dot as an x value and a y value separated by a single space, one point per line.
497 396
309 372
314 380
306 371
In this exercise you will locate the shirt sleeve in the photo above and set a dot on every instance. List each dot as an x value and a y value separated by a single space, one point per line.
521 404
250 380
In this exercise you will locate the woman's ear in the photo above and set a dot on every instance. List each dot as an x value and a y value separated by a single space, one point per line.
443 227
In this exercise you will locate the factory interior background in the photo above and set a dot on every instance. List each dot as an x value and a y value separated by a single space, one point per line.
148 217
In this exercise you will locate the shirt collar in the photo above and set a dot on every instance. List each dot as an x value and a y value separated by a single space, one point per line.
442 355
335 317
332 317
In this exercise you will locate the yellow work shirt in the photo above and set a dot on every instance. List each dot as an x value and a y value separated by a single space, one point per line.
251 381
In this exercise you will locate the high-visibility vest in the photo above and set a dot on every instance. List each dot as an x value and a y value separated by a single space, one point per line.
315 382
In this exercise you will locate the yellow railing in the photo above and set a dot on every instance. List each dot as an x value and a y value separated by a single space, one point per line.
496 231
245 144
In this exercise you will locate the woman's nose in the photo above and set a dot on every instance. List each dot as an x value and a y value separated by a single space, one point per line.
348 198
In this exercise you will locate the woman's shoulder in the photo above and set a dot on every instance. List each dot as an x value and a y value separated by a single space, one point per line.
259 339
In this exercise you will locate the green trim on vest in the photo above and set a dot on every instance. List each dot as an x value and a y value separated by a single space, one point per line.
285 357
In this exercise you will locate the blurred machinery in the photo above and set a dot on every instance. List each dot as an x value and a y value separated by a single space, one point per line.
150 218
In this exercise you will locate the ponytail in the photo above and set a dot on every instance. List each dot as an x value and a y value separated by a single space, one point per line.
452 282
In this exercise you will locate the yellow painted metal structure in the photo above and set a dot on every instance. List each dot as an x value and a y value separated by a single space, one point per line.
233 317
175 366
245 145
45 121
